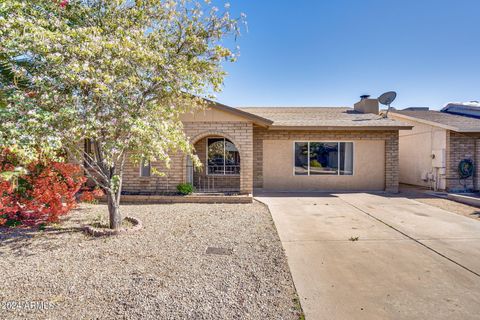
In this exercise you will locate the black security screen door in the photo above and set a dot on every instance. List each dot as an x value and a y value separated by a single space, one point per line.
223 157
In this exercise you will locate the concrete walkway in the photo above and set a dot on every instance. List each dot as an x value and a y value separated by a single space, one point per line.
411 260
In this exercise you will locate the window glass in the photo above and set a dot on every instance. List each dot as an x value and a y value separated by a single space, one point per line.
346 158
301 158
324 158
232 158
216 160
223 157
145 169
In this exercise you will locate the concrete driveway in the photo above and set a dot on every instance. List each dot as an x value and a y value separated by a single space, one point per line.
411 260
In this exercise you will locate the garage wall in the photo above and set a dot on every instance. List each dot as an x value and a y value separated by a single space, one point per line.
377 148
369 169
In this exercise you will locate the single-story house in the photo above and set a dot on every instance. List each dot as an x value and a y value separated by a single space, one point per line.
242 149
430 154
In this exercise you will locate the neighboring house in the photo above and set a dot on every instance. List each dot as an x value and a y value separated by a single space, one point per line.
430 154
287 149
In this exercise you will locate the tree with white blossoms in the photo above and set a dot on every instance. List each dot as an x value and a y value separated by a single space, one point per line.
118 73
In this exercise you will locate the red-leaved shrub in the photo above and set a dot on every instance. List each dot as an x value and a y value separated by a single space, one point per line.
91 196
40 196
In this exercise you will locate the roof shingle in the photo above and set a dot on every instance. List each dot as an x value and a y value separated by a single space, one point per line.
442 119
322 117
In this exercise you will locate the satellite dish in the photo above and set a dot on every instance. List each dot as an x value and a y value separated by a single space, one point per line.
386 99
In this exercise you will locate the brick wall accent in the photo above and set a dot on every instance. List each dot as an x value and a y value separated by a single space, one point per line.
392 165
187 199
462 146
390 138
133 183
249 141
240 133
258 136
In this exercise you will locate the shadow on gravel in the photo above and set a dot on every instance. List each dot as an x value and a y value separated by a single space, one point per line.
23 241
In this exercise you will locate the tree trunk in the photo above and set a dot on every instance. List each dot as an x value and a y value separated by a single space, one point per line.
114 210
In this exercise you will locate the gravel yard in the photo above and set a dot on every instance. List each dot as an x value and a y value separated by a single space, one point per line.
160 272
420 195
452 206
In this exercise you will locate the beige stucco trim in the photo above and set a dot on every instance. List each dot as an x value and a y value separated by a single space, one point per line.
217 112
341 128
211 115
252 117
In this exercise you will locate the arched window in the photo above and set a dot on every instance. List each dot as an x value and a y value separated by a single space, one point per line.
222 157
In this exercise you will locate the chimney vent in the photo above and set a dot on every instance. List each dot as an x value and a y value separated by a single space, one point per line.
365 96
367 105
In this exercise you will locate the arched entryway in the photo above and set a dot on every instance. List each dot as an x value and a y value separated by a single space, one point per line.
221 165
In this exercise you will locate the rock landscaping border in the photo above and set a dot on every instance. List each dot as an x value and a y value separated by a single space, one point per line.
100 232
193 198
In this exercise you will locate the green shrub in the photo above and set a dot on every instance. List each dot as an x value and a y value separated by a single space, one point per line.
185 188
315 164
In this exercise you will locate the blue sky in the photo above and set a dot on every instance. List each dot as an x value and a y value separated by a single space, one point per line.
328 53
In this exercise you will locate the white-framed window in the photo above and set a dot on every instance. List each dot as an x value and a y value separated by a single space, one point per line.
145 169
313 158
223 157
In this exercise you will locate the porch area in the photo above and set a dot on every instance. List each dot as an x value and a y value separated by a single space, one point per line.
221 169
225 150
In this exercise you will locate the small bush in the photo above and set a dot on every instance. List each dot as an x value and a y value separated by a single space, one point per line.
315 164
185 188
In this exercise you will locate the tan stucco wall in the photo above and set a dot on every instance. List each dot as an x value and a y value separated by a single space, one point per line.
211 115
369 169
416 148
389 140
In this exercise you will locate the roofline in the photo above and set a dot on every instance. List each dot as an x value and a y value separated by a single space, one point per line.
435 124
459 104
266 123
345 128
254 118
